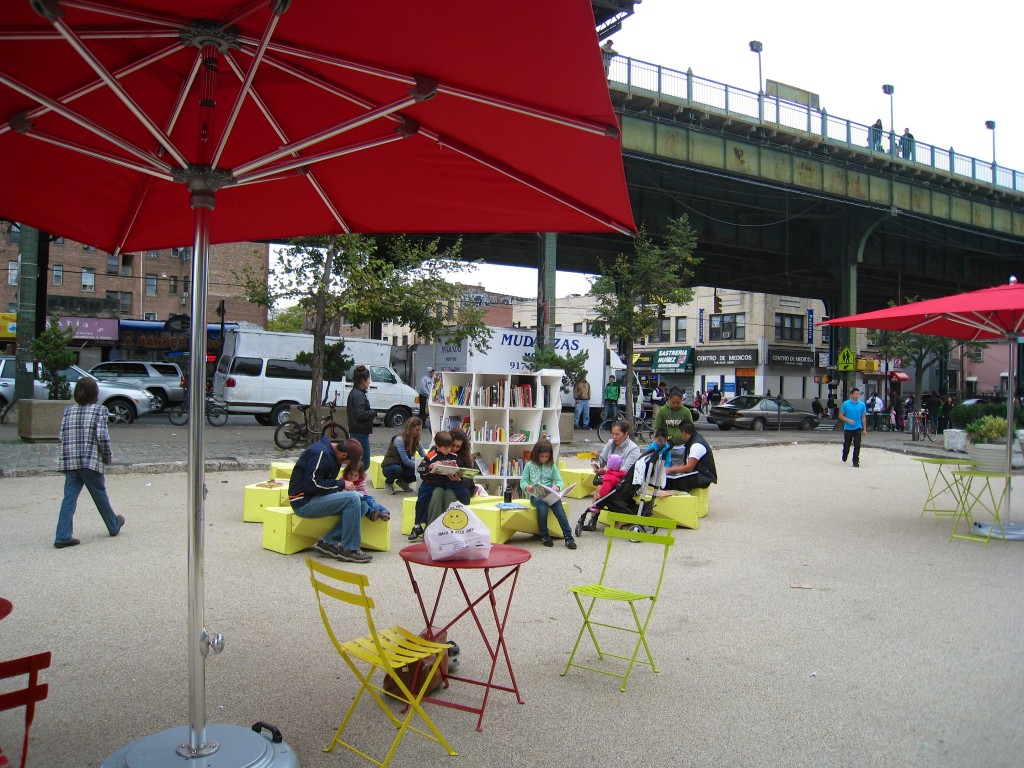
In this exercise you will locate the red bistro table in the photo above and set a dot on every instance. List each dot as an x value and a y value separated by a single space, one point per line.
6 606
502 558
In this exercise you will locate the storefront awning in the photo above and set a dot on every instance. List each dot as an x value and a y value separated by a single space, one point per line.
898 376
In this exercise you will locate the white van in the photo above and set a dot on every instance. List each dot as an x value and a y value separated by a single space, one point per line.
257 374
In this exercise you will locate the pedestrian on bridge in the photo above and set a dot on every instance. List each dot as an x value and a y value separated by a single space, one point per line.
875 136
907 145
608 53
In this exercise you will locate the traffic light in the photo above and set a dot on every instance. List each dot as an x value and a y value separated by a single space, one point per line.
718 303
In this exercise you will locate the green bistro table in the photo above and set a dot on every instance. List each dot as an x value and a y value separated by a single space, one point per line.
975 489
942 488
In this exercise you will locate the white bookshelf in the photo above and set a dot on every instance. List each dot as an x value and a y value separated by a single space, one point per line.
504 414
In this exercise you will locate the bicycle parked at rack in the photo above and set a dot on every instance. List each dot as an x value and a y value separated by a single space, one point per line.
289 434
921 426
216 412
642 429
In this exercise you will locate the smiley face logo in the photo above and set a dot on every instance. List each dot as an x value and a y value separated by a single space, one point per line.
456 519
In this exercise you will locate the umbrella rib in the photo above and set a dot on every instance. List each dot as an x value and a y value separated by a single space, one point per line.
301 162
85 90
99 155
86 33
81 121
254 65
263 108
118 91
453 90
326 134
529 181
123 12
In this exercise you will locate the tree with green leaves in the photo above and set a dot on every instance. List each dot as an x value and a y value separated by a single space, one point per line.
363 281
574 367
634 289
287 320
52 350
917 349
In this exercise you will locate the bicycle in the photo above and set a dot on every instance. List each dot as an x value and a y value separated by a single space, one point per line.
290 433
642 428
216 412
922 426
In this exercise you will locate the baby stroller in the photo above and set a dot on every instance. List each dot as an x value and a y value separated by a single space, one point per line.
634 495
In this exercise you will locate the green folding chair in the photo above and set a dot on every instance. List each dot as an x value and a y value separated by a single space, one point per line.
620 531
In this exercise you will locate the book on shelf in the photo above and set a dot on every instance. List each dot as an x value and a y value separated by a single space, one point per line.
554 495
480 464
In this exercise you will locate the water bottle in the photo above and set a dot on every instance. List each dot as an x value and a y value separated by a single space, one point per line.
508 495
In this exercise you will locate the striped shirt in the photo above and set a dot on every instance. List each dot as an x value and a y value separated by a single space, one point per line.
85 442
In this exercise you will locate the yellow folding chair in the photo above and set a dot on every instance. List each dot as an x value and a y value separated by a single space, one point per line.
388 650
620 528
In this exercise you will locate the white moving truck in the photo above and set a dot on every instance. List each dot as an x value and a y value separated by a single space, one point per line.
510 345
257 374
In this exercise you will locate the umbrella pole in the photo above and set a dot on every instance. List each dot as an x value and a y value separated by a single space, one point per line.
199 640
1011 433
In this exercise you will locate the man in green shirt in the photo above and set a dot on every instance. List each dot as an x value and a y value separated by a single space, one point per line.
611 398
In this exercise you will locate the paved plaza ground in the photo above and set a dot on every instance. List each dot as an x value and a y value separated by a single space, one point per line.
903 650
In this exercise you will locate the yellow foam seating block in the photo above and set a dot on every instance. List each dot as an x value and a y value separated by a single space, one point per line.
704 495
257 497
561 464
375 475
476 501
525 521
408 514
683 510
488 514
281 470
584 479
287 533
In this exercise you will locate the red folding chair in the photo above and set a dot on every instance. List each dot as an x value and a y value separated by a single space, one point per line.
25 697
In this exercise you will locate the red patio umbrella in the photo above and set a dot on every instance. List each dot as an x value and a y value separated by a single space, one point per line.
126 124
990 314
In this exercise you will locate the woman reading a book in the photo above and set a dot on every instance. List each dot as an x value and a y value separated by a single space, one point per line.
463 450
542 480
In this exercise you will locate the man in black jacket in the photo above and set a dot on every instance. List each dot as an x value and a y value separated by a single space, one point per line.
693 463
360 414
315 491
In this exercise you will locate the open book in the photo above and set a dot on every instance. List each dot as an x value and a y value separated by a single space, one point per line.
553 495
450 471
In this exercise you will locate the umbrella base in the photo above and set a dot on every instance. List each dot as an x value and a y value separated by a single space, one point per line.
237 748
1013 531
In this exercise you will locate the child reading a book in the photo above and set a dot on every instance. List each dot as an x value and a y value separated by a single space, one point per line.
356 474
433 479
541 476
612 476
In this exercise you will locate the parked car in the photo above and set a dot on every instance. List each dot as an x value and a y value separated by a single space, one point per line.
760 413
162 380
125 402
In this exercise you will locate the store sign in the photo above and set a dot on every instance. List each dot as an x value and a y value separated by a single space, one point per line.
700 326
642 360
744 357
90 328
793 357
673 360
8 325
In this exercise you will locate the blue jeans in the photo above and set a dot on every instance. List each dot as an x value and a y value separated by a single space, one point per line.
395 472
73 482
363 440
581 414
370 504
426 490
611 410
542 517
349 505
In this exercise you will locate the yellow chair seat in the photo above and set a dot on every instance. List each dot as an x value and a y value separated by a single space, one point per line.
609 593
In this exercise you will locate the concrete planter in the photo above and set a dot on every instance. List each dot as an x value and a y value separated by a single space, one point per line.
955 440
991 457
39 420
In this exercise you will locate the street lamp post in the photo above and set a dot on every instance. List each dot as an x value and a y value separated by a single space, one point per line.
756 47
888 90
991 125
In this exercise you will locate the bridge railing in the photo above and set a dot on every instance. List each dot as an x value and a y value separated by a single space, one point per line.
671 86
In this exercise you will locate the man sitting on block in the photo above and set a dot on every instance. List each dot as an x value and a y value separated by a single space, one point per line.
315 491
693 462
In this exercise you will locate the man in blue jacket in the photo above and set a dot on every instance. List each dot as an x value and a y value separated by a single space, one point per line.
315 491
854 416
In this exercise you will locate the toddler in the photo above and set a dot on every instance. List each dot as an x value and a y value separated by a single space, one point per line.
660 447
356 474
613 475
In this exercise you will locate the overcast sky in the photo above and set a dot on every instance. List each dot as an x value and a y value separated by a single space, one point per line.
953 66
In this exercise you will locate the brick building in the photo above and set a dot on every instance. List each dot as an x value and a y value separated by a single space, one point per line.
84 282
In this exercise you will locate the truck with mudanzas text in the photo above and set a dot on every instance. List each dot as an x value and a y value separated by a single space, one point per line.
509 352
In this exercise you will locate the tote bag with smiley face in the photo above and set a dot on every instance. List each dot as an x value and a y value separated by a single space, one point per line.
458 534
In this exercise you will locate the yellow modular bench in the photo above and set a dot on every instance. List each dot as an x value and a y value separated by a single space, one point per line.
685 509
259 496
287 533
281 470
374 473
584 479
